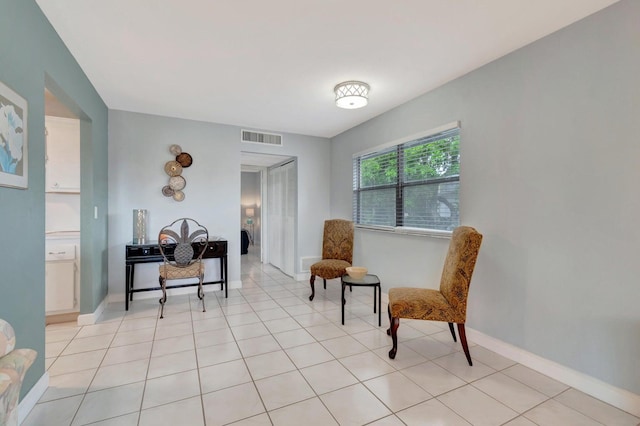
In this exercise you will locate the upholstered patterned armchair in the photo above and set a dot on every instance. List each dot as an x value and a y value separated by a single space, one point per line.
337 252
449 304
182 244
14 363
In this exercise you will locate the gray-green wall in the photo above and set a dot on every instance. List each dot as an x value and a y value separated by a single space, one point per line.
30 53
549 174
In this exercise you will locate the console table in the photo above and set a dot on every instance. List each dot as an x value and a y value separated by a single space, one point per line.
150 253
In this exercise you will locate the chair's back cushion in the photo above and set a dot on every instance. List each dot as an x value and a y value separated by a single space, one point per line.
337 242
7 338
458 267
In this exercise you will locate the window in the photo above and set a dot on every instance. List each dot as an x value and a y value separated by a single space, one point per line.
410 185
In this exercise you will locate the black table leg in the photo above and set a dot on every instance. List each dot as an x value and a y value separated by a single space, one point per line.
127 284
342 300
379 305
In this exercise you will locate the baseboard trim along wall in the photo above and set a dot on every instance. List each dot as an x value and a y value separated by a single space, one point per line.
612 395
32 397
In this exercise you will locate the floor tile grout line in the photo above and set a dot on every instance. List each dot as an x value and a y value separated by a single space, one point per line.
283 284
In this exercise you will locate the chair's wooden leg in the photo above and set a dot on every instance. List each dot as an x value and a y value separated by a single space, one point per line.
201 293
163 299
325 283
313 288
395 323
389 313
463 340
453 333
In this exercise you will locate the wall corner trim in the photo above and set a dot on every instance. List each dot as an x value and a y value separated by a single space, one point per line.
32 397
92 318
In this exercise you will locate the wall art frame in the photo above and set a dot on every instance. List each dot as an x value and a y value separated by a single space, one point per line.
14 170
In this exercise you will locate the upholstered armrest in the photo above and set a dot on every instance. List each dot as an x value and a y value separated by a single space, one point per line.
7 338
13 366
17 363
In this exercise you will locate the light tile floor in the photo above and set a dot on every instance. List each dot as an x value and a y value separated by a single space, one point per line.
267 355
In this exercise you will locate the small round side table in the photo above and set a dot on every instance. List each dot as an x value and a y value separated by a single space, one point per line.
368 280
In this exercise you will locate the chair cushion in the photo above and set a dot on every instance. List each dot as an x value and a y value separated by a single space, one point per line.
7 338
330 268
171 272
422 303
459 265
337 241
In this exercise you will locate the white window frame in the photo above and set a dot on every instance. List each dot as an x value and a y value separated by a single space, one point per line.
405 230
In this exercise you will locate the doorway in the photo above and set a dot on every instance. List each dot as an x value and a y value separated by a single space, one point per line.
270 208
62 211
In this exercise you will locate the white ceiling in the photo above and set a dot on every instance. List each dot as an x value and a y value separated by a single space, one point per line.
272 65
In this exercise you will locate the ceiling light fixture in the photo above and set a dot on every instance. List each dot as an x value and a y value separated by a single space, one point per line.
352 94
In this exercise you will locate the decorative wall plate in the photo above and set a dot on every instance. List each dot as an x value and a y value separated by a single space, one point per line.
175 149
184 159
177 183
178 196
167 191
173 168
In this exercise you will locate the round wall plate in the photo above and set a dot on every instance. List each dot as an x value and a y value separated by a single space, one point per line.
177 183
175 149
167 191
184 159
173 168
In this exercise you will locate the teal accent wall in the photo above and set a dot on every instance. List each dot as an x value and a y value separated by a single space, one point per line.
32 55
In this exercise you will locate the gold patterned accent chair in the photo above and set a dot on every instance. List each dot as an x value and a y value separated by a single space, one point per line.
449 304
182 245
14 364
337 252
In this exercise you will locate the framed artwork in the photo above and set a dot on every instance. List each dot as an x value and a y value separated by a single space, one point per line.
13 139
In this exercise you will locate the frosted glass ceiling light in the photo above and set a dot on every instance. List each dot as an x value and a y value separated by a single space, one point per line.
352 94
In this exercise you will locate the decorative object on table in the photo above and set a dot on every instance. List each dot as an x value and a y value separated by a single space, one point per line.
449 304
337 252
14 170
182 245
14 364
174 169
140 225
356 272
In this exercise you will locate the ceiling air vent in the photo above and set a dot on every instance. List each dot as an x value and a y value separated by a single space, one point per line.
259 137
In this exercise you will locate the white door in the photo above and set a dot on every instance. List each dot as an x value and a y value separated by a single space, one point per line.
281 211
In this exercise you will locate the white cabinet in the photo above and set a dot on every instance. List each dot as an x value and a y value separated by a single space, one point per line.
61 273
62 154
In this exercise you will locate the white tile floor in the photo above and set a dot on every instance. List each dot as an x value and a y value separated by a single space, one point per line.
267 355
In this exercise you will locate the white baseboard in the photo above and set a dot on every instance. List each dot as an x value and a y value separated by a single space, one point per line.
620 398
32 397
89 319
302 276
